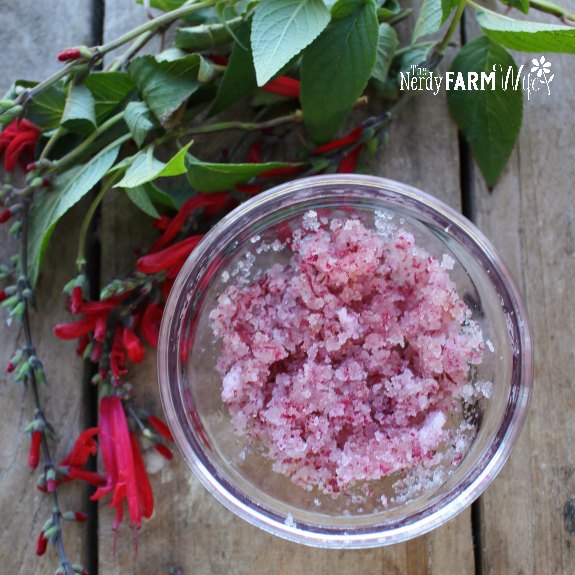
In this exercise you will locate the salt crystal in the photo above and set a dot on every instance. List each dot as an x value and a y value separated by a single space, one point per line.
344 362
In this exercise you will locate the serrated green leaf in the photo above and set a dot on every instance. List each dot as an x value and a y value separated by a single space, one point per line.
46 108
490 119
205 36
145 167
428 20
139 196
109 90
239 79
281 29
386 46
208 177
80 111
139 119
337 66
52 203
165 86
526 36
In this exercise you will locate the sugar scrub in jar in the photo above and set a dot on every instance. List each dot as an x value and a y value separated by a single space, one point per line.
345 362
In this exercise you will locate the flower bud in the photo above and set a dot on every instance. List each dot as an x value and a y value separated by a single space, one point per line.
15 228
5 216
51 480
41 544
75 516
53 531
148 434
18 310
35 445
69 54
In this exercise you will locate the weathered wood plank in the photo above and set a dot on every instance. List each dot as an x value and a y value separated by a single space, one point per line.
190 529
528 513
30 40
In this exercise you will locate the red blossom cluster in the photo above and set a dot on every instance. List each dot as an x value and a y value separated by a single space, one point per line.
18 142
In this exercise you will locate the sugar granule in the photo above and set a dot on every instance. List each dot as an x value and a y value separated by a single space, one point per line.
345 362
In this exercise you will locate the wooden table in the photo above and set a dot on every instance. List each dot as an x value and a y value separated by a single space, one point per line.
523 524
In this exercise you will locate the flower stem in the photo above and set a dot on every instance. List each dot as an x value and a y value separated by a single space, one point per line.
83 147
30 352
551 8
153 25
81 259
119 62
453 26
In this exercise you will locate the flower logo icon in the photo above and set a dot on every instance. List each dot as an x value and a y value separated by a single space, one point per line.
541 68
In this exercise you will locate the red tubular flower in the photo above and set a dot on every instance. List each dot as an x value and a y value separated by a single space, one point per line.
218 59
150 325
167 287
5 216
164 451
284 86
84 447
351 138
85 475
255 152
162 223
161 428
18 141
69 54
2 295
284 171
75 329
41 545
349 162
126 475
35 444
80 516
133 346
162 260
194 203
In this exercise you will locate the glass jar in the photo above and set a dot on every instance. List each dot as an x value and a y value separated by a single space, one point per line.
242 480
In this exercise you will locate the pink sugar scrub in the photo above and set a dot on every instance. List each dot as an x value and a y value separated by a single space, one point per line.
345 362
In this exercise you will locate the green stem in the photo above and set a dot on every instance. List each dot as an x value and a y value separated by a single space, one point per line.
551 8
401 15
81 259
452 28
246 126
137 45
29 93
77 152
153 25
50 144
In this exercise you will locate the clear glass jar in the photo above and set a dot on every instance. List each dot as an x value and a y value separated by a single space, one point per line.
190 386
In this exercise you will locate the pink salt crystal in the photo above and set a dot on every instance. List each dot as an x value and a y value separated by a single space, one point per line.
344 362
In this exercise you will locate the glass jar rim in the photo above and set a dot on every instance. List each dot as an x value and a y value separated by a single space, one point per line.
471 486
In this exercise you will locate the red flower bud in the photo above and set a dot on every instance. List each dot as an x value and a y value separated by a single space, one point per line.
150 325
133 346
76 300
168 257
10 367
349 162
80 516
31 166
51 485
5 216
69 54
2 295
164 451
161 427
162 223
35 444
41 545
351 138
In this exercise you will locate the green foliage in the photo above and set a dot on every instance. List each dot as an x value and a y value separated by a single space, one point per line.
80 111
526 36
165 86
210 177
52 203
489 119
337 66
46 108
386 46
110 90
281 29
139 119
140 197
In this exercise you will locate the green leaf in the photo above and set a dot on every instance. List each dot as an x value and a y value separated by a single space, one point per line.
526 36
490 119
416 56
139 119
160 197
205 36
145 167
164 5
80 111
109 90
386 46
239 79
52 203
282 29
167 85
140 197
208 177
46 108
432 14
387 10
522 5
337 66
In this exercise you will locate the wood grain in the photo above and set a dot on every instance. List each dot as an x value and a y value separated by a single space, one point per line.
30 42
